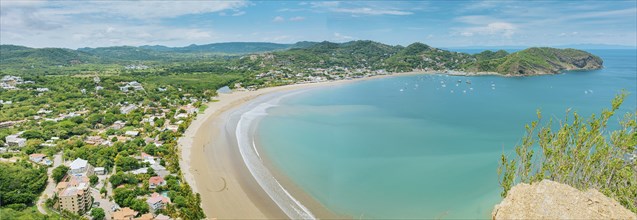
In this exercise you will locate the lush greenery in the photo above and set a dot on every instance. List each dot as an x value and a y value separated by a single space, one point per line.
580 152
20 183
97 213
534 61
59 172
27 214
297 58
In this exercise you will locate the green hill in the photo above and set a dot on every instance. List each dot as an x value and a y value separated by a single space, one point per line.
362 54
537 60
26 57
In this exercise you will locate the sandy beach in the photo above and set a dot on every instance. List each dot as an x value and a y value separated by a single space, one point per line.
212 163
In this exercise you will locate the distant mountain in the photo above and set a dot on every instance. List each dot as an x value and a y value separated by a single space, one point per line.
301 56
231 47
520 47
11 54
122 53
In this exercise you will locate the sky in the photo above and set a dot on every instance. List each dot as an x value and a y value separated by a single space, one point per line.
457 23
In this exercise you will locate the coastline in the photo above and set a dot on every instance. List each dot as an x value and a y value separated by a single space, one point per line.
211 161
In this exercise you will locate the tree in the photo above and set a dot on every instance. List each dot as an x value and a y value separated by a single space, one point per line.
580 153
126 163
59 173
97 213
93 179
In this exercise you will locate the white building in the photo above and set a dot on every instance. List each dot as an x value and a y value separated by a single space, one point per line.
132 133
80 167
131 85
100 171
127 109
15 140
42 89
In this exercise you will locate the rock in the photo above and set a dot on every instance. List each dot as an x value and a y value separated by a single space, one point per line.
552 200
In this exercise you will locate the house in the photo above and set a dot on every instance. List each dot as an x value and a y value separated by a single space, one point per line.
127 109
181 116
156 181
42 89
80 167
124 214
147 216
160 170
147 157
118 125
172 128
99 171
189 109
162 217
157 202
94 140
15 140
132 133
131 85
37 157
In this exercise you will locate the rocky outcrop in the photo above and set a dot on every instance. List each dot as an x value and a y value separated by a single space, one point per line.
552 200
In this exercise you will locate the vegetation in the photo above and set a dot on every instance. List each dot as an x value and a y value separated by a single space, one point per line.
59 172
534 61
581 153
31 213
97 213
20 184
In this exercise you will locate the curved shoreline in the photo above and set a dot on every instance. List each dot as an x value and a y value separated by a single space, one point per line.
212 163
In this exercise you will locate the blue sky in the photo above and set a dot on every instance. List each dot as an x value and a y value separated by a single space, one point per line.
74 24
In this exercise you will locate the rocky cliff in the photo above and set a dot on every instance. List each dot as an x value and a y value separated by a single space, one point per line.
552 200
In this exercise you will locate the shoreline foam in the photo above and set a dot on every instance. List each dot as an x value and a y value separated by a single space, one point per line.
211 161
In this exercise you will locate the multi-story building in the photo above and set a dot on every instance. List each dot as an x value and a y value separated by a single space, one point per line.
76 199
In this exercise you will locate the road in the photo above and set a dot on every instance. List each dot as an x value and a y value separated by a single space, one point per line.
50 186
104 203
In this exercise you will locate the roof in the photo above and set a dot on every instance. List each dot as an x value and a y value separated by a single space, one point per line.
156 180
147 216
162 217
78 164
37 155
124 214
156 197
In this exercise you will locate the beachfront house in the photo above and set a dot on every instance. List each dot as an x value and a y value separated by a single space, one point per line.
157 202
156 181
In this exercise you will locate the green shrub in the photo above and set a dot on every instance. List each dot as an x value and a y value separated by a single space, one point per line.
580 153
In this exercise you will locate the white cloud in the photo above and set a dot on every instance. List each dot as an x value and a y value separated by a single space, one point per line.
371 11
239 13
278 19
297 18
341 37
355 8
496 28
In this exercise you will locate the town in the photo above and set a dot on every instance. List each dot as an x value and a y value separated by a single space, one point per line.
116 163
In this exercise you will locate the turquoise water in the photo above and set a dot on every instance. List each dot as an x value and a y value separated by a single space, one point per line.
368 149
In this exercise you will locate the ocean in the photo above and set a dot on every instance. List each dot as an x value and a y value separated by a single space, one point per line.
425 146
